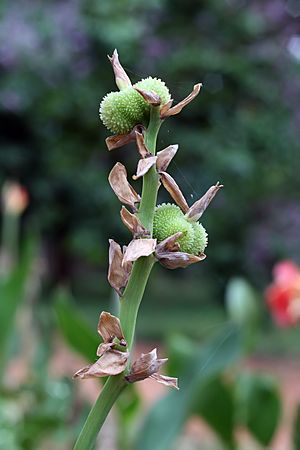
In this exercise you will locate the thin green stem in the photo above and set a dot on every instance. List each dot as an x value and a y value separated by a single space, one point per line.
150 181
131 299
133 295
109 394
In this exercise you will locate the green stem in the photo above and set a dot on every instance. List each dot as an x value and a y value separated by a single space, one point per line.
131 299
133 295
150 180
109 394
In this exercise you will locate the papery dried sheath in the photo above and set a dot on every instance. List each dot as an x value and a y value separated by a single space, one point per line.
198 208
177 108
138 248
109 327
144 165
151 97
112 363
167 381
118 273
172 187
143 151
177 260
123 190
165 108
122 79
165 156
170 244
132 222
147 366
119 140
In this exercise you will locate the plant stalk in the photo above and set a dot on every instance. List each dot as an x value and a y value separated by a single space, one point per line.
131 299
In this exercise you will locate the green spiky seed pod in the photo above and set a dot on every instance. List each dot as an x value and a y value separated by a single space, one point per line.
121 111
200 238
169 219
157 86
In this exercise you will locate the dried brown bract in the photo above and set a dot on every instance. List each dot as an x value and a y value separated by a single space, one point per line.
170 244
171 111
165 156
109 327
172 187
119 140
132 222
118 273
143 151
144 165
138 248
122 79
121 187
147 366
178 260
198 208
112 361
151 97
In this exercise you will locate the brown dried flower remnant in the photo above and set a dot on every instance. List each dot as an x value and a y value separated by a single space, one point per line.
118 273
119 140
147 366
165 156
172 187
121 187
144 165
167 110
134 225
198 208
122 79
109 328
112 360
138 248
151 97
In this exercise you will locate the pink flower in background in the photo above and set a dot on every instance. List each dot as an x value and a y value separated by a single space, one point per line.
283 295
14 198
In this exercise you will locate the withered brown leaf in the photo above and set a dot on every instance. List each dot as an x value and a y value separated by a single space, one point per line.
144 165
109 327
118 273
132 222
198 208
165 156
174 190
122 79
147 366
112 362
170 244
119 140
138 248
121 187
177 108
143 151
176 260
151 97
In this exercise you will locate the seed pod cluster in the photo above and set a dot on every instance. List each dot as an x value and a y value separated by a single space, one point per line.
169 219
121 111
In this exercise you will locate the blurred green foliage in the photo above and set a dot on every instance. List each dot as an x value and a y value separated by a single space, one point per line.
241 130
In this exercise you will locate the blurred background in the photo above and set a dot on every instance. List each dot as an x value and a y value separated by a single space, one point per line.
58 212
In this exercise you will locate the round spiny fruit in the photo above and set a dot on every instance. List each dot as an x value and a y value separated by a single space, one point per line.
121 111
169 219
157 86
200 238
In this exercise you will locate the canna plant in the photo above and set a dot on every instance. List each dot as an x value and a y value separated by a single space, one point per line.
169 234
